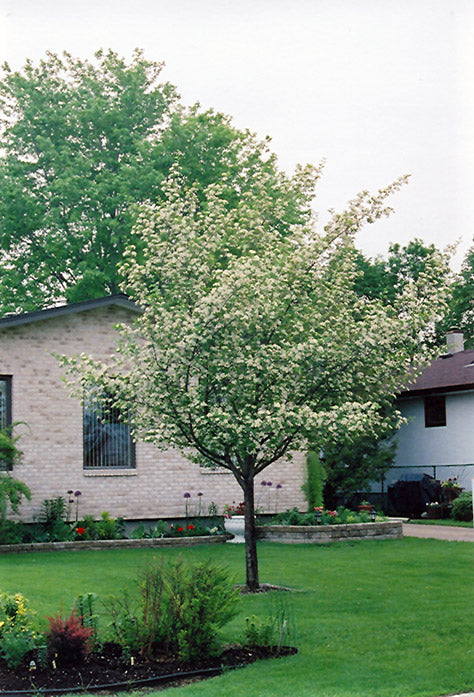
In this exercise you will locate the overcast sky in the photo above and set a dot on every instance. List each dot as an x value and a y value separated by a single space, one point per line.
378 88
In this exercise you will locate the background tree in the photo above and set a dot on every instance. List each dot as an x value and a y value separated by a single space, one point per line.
386 279
351 464
82 143
239 364
461 304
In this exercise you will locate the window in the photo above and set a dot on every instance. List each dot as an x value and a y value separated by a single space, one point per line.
5 401
5 410
107 442
435 411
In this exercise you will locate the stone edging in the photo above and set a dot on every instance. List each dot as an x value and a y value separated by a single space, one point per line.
116 544
321 534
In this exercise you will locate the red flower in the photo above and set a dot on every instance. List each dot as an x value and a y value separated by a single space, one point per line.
80 531
190 527
180 529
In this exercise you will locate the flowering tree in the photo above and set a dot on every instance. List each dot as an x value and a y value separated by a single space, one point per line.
252 342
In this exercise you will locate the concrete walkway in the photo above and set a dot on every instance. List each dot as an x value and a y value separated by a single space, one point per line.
439 532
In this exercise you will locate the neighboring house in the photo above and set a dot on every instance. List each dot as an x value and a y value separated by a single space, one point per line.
69 446
438 438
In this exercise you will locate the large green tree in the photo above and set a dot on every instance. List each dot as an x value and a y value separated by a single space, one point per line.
83 142
240 363
461 305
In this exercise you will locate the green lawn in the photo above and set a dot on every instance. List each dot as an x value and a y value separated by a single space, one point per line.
374 618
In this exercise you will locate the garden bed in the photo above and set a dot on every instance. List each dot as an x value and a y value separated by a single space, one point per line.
109 670
116 544
323 534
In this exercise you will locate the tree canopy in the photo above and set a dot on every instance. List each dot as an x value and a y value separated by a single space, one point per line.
251 343
461 305
84 142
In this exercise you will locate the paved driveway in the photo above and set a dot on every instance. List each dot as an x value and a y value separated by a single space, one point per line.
439 532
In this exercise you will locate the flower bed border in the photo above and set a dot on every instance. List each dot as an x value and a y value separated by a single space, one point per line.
116 544
323 534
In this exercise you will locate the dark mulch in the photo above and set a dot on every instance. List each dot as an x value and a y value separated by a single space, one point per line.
111 668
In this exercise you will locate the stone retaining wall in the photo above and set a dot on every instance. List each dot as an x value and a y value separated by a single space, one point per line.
116 544
321 534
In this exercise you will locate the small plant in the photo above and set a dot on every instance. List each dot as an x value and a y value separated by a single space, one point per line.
213 509
86 529
52 518
85 605
15 644
258 632
17 632
451 484
77 495
67 639
234 509
272 630
186 497
108 528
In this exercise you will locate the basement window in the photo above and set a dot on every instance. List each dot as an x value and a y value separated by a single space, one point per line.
435 411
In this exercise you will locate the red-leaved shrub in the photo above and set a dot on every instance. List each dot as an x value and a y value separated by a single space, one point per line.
68 640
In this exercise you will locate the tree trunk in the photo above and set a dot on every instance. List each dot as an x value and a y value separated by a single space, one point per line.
251 561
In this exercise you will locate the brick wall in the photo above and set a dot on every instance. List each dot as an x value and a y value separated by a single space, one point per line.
52 437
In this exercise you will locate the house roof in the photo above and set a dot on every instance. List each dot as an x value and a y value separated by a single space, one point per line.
451 372
71 308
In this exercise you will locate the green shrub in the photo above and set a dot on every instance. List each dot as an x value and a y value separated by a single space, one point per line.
319 516
17 630
202 600
52 519
160 529
108 528
462 507
125 627
313 486
15 644
180 609
11 532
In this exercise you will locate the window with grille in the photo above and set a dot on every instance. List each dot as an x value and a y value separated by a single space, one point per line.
5 410
107 441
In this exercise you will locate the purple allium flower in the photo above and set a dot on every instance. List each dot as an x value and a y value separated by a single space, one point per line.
199 493
269 483
187 495
278 486
70 491
78 493
263 483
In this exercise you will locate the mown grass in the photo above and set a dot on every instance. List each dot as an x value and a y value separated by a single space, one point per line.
374 618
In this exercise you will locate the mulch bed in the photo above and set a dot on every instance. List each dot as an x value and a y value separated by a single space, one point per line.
110 670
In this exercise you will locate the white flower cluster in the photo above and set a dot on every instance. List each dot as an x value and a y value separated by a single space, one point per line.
251 341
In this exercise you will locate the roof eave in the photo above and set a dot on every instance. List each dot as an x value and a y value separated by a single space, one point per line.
69 309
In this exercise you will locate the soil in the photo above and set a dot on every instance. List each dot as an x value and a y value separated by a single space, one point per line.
109 669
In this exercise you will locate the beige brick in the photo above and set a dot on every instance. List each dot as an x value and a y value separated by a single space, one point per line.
52 439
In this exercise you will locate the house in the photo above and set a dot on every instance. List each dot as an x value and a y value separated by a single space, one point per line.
69 446
438 437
